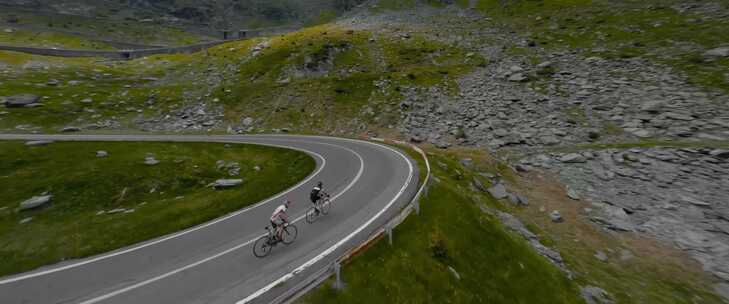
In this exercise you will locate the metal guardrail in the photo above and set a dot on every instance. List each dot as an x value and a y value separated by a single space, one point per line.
335 267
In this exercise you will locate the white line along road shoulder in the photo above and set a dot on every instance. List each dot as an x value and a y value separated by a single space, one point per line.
331 249
234 248
181 233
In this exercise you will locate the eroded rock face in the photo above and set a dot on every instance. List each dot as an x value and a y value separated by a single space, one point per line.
674 194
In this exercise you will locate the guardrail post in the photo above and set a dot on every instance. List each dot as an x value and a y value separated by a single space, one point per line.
389 234
338 284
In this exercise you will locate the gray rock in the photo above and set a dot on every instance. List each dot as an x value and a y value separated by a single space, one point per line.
479 185
21 100
626 255
544 68
720 153
717 52
454 273
118 210
523 168
653 106
150 161
35 143
572 158
498 191
102 153
467 162
722 289
25 220
595 295
518 199
518 77
248 121
70 129
441 144
556 216
227 183
601 256
35 202
571 193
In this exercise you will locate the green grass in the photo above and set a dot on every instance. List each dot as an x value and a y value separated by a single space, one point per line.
167 197
85 28
317 80
646 143
19 37
495 266
624 29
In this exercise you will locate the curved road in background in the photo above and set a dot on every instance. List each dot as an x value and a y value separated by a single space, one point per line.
213 262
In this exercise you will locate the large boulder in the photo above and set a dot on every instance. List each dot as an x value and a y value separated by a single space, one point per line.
21 101
35 202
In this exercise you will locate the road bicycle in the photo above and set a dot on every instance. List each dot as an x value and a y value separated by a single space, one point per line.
320 208
262 247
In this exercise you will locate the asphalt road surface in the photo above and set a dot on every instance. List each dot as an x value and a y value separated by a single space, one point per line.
213 262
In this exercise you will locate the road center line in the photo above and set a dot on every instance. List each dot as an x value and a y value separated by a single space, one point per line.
331 249
234 248
184 232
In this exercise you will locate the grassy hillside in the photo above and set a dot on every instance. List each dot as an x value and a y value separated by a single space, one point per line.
668 32
493 265
320 79
103 203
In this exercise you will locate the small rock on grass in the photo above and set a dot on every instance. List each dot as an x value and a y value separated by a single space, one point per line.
21 100
118 210
498 191
35 202
70 129
454 273
25 220
601 256
556 216
35 143
102 153
150 161
717 52
626 255
226 183
595 295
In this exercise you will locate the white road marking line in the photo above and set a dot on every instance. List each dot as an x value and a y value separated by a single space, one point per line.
184 232
331 249
167 274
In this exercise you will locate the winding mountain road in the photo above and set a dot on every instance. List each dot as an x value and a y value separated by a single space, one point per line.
213 262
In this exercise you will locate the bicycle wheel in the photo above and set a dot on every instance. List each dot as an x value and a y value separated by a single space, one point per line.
325 206
311 215
262 247
289 234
